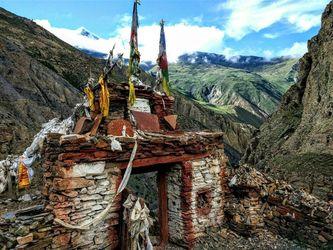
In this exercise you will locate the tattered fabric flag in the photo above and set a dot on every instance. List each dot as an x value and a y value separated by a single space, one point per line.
23 176
131 96
162 61
134 60
90 96
104 97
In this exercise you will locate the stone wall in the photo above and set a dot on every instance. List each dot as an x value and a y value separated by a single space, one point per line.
78 194
174 181
196 198
27 228
256 201
199 197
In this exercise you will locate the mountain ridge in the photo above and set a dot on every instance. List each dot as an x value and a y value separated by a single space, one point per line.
256 91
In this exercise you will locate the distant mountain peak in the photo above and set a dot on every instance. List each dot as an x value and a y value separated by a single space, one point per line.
84 32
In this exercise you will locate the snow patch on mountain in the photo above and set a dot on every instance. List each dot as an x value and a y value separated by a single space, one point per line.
86 33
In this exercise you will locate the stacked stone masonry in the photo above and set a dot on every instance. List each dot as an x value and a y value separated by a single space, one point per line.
196 198
77 194
81 176
257 201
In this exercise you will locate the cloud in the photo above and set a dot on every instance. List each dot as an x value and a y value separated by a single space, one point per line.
194 20
181 38
268 54
298 49
304 22
255 15
271 35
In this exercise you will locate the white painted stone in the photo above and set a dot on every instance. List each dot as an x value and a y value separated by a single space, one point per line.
84 169
83 191
104 183
141 105
96 207
198 163
88 204
216 162
91 197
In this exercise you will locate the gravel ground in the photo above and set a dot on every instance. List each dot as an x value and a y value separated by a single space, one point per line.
227 239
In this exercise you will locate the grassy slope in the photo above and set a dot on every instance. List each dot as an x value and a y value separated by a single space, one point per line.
281 75
258 92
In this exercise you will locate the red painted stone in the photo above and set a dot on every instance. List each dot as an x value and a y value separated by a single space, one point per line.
102 144
63 172
57 198
73 183
79 125
70 194
64 204
171 120
115 127
61 211
25 239
61 240
97 122
100 154
146 122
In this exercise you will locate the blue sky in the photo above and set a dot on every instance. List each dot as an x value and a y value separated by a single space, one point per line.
231 27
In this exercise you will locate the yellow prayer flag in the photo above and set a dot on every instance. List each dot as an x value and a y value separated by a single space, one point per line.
104 97
23 176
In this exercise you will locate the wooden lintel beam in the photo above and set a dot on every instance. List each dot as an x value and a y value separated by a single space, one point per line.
162 160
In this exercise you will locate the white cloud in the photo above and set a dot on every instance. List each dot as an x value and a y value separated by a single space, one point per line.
298 49
255 15
230 53
304 22
181 38
193 20
268 54
271 35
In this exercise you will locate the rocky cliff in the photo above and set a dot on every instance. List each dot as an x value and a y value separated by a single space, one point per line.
297 141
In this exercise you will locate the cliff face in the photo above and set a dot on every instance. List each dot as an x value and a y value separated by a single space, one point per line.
297 141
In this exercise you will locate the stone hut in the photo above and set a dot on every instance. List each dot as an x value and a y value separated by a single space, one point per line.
83 172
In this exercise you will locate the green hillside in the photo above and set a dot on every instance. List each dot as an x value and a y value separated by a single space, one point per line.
221 88
281 74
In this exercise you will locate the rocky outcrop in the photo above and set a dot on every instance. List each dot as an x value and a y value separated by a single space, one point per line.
298 138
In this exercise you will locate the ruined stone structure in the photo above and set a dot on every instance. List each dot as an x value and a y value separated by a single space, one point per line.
82 173
255 201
